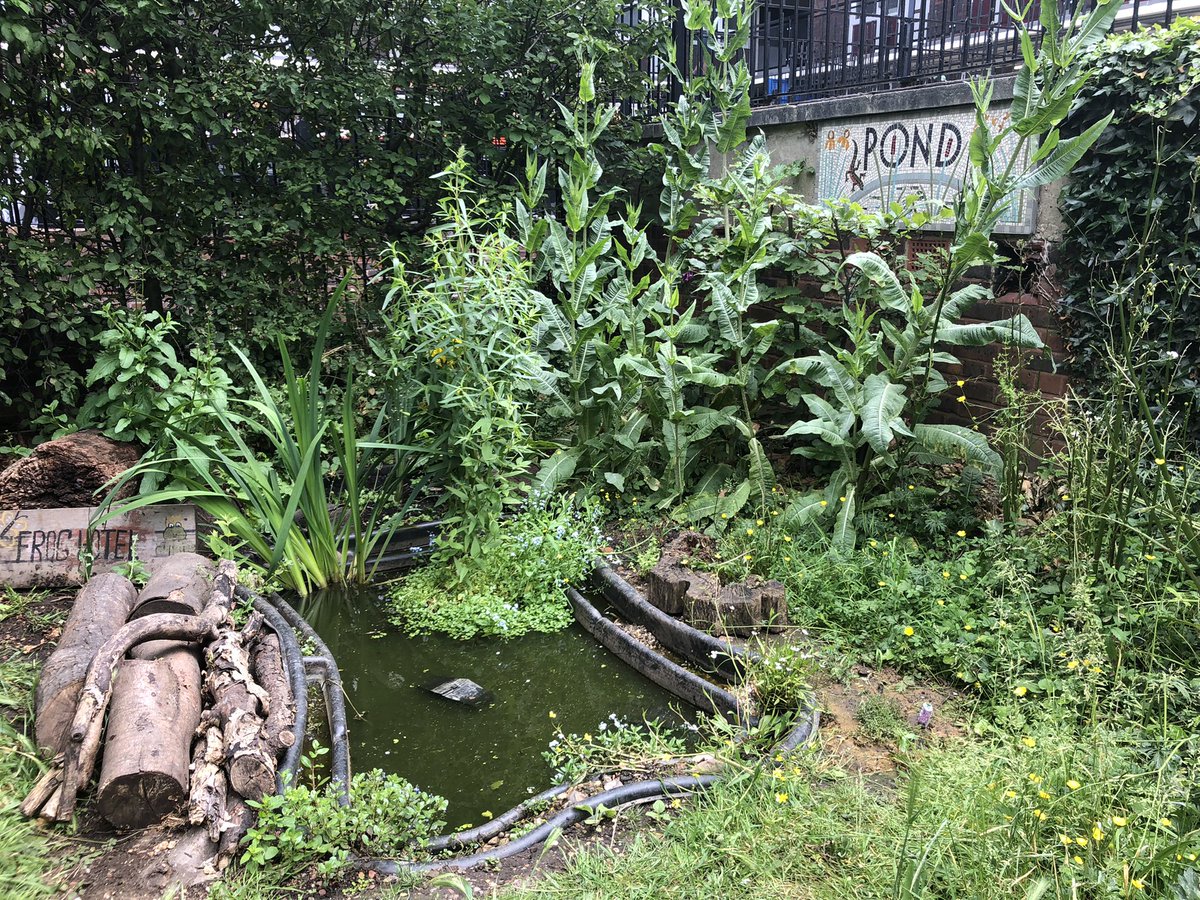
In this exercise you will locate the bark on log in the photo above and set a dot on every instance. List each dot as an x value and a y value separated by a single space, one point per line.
178 584
80 754
238 819
99 611
155 711
270 674
43 790
237 700
209 788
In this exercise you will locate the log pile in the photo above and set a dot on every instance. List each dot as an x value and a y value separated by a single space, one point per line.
198 711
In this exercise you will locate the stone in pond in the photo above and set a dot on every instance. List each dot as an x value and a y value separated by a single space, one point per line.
461 690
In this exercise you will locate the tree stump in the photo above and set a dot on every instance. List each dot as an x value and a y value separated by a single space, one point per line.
69 471
100 609
154 712
670 582
181 583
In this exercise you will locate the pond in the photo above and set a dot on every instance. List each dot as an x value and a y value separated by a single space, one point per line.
484 759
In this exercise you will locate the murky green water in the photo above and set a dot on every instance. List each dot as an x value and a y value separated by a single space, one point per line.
479 759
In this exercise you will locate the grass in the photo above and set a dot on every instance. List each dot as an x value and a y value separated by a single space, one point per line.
31 861
962 824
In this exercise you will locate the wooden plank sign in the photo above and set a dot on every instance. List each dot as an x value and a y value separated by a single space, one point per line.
54 546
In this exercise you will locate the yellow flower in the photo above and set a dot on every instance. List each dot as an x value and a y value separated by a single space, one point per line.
1021 691
824 502
781 798
1035 778
1039 815
1097 833
1065 839
962 577
1010 794
968 627
1073 664
912 487
841 499
1081 841
1120 821
1151 557
960 382
1165 822
941 603
945 574
586 736
961 533
1137 883
774 512
787 538
1077 860
553 714
873 543
1029 742
747 557
962 398
1159 461
761 523
908 632
787 559
724 515
749 532
1045 795
882 583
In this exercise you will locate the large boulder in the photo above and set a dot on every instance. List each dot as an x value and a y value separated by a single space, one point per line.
69 471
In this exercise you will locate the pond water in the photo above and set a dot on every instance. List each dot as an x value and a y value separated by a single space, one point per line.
487 758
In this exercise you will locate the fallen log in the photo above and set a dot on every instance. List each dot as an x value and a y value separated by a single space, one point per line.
209 788
237 700
267 664
80 754
238 819
99 611
155 710
178 584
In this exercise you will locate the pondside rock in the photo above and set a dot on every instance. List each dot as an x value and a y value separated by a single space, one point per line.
461 690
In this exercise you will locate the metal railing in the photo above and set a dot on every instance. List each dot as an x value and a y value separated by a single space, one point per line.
812 49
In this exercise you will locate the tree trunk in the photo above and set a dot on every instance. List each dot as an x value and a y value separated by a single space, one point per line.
155 711
271 675
99 611
178 584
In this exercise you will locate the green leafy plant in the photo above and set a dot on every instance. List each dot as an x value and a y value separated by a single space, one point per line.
875 391
305 826
614 746
515 586
255 499
463 363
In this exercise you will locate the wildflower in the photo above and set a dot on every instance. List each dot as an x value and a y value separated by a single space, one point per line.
945 574
787 538
1137 883
724 515
1066 840
787 559
1077 860
824 502
961 533
912 487
941 603
1081 841
882 583
1021 691
1151 557
1010 795
1029 742
761 523
778 757
960 382
1165 822
1073 664
781 798
1120 821
873 543
1039 815
774 512
586 736
961 398
841 499
908 632
1097 833
1159 461
968 627
749 532
962 577
553 714
1044 795
747 557
1035 778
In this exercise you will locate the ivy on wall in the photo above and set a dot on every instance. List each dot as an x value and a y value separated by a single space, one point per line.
1132 210
229 160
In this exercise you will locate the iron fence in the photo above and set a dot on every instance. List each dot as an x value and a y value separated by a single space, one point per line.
812 49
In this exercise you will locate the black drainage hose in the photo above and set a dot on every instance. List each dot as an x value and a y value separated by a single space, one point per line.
673 677
460 840
627 793
322 665
708 653
289 648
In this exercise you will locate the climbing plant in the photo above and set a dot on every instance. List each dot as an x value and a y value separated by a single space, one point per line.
1130 253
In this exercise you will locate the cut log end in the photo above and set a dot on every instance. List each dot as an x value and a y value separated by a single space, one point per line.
140 799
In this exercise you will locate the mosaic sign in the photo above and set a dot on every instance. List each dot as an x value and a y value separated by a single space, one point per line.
880 160
55 546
